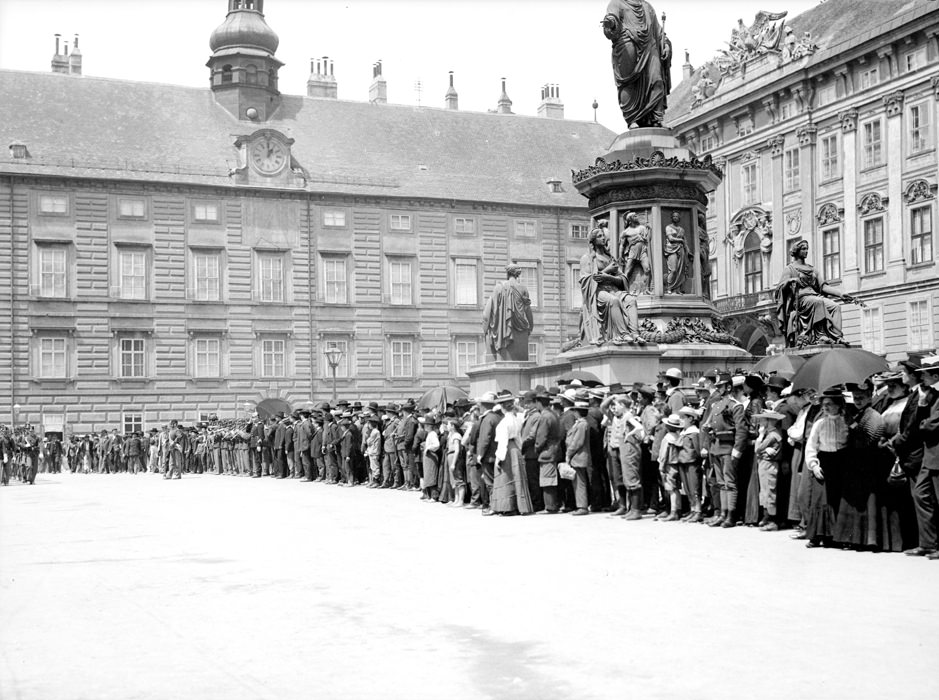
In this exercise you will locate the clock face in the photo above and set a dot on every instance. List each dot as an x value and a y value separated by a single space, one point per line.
268 155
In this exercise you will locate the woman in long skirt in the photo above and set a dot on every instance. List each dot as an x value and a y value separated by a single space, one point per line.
430 452
825 452
510 493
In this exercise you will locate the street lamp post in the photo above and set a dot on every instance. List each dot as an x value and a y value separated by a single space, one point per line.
16 412
333 357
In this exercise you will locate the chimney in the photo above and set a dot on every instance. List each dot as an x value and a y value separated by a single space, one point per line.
687 70
451 98
378 91
59 62
551 106
322 82
75 60
505 104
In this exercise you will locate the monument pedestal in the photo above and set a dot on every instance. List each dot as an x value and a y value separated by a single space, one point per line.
493 376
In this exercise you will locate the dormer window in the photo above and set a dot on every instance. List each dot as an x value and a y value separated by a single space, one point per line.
554 187
18 150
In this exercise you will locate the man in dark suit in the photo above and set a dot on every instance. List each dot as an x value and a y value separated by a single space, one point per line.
547 446
407 428
257 444
486 446
302 436
926 486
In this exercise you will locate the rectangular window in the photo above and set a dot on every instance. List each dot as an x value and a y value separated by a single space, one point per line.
132 423
133 271
533 352
752 272
921 235
131 208
271 277
466 292
52 271
207 276
825 95
576 295
916 59
342 369
334 218
713 279
872 144
399 275
745 127
205 212
273 358
920 325
334 277
132 357
749 183
53 363
464 225
53 204
786 110
402 358
208 357
919 128
874 245
400 222
831 254
580 231
868 78
525 228
529 278
791 169
829 152
708 143
872 330
466 356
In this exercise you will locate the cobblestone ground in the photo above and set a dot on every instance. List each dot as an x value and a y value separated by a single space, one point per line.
220 587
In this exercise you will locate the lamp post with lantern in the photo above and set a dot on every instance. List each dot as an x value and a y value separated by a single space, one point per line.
333 357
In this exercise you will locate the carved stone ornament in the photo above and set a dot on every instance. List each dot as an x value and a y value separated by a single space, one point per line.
894 103
747 221
918 191
747 43
686 330
806 135
679 191
848 120
750 155
828 214
871 203
775 146
794 222
935 85
656 160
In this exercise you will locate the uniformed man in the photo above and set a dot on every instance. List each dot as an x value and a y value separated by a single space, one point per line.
133 450
404 437
727 430
390 468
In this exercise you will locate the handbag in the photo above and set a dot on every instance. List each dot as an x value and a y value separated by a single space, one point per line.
566 471
897 476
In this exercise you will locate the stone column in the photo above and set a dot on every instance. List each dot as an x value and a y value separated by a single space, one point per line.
772 268
807 136
655 250
851 272
614 231
893 223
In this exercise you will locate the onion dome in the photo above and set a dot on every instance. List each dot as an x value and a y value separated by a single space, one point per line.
244 29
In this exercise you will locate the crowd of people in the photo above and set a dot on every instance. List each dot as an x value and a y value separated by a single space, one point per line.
854 466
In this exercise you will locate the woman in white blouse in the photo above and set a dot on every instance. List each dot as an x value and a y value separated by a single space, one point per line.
825 452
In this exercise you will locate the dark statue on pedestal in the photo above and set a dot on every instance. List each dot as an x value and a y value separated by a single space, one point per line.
678 260
609 313
642 59
507 319
634 254
806 307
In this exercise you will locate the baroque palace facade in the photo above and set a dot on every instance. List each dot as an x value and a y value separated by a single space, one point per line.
177 252
825 125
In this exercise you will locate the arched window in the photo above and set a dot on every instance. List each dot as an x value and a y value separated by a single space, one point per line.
251 74
752 265
226 73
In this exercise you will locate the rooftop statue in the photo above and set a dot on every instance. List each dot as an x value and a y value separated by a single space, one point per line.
507 319
807 309
642 58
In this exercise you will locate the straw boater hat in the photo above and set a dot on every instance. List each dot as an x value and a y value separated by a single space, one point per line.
672 422
689 411
929 363
833 393
487 399
582 406
769 415
505 396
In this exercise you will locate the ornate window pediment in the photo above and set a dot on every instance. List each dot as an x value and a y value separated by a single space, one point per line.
829 214
870 203
746 221
918 191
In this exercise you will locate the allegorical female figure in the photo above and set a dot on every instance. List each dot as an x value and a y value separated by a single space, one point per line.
609 313
642 57
677 257
634 252
806 307
507 318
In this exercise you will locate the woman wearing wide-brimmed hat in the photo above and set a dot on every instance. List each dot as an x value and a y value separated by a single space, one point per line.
510 493
826 451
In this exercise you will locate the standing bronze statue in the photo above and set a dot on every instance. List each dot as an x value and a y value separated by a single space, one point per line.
806 307
634 254
507 319
642 59
678 260
609 313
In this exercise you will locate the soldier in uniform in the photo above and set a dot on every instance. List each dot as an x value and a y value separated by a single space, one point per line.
407 427
132 453
727 432
390 469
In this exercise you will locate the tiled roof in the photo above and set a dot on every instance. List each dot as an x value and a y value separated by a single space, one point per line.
835 25
94 127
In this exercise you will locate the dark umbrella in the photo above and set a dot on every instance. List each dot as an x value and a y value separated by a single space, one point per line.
783 365
838 366
271 407
585 378
440 397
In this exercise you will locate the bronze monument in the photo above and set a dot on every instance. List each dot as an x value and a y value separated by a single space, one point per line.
642 59
634 254
507 319
678 259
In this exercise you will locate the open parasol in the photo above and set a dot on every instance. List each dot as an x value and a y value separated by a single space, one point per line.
783 365
585 378
838 366
440 397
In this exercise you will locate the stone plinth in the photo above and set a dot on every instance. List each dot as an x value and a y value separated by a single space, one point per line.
493 376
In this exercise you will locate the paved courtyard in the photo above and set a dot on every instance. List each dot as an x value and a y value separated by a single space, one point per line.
220 587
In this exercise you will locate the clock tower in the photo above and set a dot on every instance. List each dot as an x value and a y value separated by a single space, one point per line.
242 68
